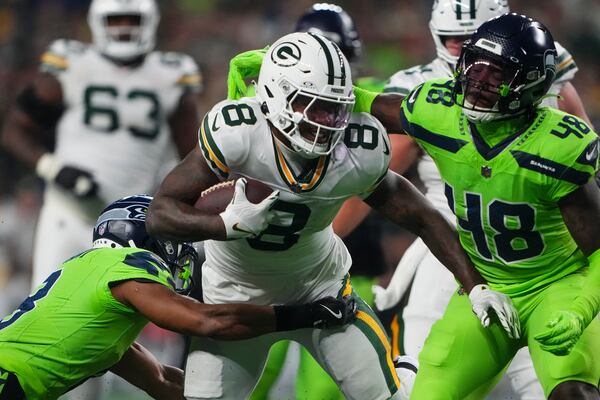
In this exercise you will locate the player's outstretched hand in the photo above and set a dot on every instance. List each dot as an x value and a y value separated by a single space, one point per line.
564 330
77 181
242 66
483 299
329 312
243 218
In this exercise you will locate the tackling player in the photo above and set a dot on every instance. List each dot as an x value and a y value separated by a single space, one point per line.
432 285
519 179
299 137
116 105
84 318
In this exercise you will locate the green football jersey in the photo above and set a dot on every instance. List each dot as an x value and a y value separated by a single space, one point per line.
505 197
72 327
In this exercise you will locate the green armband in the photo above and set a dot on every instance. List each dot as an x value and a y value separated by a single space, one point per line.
364 99
587 303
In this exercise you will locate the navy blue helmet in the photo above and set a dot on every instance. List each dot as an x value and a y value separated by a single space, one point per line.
505 68
335 24
123 224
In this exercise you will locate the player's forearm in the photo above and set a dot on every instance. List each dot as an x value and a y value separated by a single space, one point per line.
402 203
234 321
442 239
172 219
140 368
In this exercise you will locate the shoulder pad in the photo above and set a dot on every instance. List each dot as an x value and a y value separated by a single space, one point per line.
566 150
367 139
225 133
188 75
565 65
56 57
405 80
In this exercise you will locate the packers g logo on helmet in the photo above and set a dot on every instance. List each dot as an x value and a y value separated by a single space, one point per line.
286 54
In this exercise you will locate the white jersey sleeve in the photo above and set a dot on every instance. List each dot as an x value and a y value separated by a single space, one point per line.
404 81
190 78
224 135
55 60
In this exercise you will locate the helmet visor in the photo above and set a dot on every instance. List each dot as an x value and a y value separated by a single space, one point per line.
323 112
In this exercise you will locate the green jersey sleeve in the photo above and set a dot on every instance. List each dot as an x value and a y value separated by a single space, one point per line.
132 264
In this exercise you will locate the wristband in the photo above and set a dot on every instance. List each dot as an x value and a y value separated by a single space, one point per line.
288 318
364 99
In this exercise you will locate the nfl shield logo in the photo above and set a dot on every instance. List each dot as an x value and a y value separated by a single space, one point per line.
486 171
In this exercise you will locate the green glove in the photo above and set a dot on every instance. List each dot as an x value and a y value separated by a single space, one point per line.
564 330
242 66
364 99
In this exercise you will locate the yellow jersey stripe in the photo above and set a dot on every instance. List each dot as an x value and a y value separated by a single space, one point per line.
211 153
367 319
54 60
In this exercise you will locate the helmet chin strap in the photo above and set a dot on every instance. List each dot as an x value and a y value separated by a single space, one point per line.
101 243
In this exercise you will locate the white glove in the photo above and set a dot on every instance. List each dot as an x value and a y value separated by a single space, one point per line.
244 219
405 271
483 298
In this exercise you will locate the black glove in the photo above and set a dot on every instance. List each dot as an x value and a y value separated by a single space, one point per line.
79 182
329 312
324 313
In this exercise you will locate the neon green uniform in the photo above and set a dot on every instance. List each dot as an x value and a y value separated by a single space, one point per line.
505 198
71 327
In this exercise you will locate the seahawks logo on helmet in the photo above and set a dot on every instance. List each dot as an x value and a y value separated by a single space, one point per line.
286 54
137 212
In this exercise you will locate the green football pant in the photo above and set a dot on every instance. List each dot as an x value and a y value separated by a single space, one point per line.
461 357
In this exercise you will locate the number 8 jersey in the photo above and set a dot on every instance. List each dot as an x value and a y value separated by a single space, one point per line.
115 123
505 197
298 249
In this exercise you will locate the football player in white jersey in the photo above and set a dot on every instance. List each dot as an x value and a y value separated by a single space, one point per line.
298 136
120 111
452 21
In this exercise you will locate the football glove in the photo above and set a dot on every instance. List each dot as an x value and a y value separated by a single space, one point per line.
77 181
329 312
483 299
563 331
244 219
242 66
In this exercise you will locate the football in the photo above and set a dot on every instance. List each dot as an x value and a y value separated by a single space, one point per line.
215 199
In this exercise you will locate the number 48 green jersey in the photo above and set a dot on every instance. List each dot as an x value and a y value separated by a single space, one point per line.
505 197
71 327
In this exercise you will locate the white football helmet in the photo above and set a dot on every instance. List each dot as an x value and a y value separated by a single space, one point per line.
305 90
460 18
108 40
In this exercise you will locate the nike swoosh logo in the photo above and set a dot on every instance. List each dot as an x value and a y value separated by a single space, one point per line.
589 156
338 314
214 124
236 227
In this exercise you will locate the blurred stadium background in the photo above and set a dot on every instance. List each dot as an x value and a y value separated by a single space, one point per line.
394 33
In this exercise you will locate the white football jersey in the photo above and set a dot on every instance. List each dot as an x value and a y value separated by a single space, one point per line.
115 123
299 245
404 81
